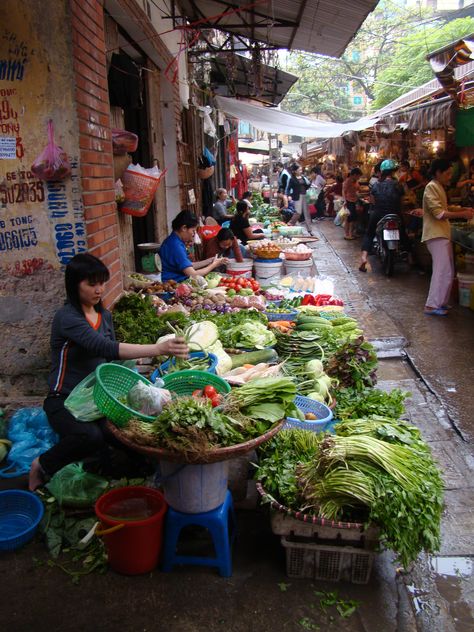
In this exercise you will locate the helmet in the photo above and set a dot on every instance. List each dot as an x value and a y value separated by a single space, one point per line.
388 165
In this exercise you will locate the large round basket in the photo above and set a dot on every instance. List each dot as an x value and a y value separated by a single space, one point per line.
305 517
113 383
185 382
213 456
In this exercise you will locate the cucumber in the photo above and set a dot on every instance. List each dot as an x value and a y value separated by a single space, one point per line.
312 326
335 322
254 357
312 319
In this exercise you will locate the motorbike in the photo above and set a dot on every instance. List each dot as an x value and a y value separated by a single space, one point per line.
387 242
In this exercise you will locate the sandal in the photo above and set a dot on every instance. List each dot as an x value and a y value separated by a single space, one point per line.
363 267
349 238
436 312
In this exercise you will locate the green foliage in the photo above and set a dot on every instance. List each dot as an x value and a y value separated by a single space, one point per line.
355 404
135 320
323 85
408 66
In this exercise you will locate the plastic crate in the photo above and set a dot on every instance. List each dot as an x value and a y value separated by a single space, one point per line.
307 560
275 316
367 538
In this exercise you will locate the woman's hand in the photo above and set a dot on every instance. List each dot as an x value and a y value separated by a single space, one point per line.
173 347
219 261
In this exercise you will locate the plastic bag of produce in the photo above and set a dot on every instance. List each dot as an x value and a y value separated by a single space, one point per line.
52 163
74 487
80 402
148 399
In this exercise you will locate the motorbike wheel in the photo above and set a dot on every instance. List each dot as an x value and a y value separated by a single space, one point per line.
389 262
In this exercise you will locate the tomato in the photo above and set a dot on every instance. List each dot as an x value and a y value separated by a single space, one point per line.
210 391
215 401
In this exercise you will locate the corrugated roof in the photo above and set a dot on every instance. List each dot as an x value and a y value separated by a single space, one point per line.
317 26
427 90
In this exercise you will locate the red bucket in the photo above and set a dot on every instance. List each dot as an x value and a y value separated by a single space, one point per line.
131 523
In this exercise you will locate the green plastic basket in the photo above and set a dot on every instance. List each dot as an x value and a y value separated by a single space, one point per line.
185 382
114 381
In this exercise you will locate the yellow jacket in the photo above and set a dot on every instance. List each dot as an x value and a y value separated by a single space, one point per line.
435 202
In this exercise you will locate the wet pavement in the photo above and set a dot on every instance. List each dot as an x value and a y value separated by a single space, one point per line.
433 359
427 358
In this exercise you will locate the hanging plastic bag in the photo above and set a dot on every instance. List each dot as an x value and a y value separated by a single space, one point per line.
80 401
123 142
52 163
31 435
74 487
341 216
148 399
312 195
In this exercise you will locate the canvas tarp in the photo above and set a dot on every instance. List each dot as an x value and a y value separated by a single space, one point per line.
278 121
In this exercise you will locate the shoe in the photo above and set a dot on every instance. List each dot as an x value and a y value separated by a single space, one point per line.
349 238
363 267
436 312
446 306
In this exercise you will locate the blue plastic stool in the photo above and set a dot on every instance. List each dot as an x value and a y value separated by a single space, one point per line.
220 523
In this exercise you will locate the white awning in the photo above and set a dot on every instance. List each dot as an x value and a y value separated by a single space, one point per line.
280 122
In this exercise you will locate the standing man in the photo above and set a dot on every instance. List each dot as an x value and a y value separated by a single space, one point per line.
283 177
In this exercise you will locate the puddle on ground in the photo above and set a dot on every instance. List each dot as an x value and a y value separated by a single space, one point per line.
452 566
452 575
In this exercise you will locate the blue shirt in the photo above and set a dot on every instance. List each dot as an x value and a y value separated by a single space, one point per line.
174 259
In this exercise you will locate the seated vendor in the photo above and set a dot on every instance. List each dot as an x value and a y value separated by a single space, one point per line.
224 244
175 262
240 225
219 210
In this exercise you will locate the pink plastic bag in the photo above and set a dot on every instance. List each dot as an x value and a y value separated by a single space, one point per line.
123 142
52 163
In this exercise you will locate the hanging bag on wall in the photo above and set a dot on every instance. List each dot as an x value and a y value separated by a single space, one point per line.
139 188
52 163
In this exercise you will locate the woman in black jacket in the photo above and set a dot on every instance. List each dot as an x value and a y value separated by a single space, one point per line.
296 189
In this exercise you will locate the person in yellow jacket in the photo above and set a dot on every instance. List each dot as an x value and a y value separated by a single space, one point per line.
437 235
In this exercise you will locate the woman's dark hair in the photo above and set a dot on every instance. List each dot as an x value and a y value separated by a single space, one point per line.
339 179
471 164
355 172
247 195
377 167
185 218
225 234
316 169
241 207
439 164
84 267
405 163
294 167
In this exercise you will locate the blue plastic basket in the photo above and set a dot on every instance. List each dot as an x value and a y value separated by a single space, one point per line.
20 514
308 405
164 368
273 316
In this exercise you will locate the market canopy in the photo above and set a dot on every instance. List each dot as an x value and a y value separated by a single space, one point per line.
278 121
317 26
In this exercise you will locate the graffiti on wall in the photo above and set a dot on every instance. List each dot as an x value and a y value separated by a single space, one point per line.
41 223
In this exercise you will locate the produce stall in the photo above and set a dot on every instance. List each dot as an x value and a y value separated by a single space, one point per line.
282 370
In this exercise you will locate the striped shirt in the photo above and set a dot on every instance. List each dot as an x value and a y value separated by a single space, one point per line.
78 347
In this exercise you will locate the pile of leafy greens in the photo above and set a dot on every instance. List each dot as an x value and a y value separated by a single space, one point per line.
354 364
135 319
367 402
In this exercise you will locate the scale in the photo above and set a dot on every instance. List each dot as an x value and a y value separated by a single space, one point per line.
150 260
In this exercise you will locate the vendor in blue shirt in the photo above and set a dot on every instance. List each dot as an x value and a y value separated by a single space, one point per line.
175 262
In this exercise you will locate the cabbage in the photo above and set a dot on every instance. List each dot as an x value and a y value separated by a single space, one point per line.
224 363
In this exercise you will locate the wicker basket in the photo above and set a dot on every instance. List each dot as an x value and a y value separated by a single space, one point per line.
268 253
298 256
213 456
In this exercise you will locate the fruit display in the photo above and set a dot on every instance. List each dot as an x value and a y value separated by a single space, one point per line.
239 283
269 251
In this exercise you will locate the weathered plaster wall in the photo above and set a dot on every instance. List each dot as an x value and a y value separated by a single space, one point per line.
41 224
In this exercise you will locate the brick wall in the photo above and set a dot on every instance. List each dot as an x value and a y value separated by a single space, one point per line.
93 110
